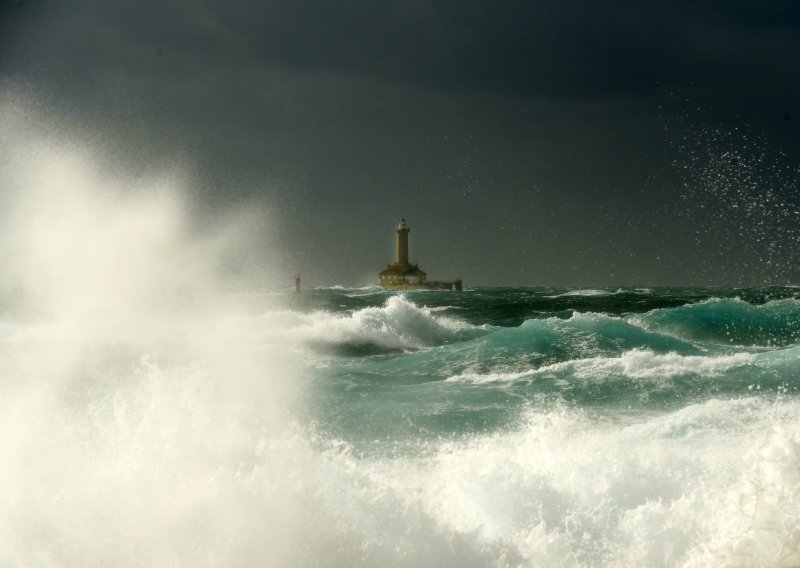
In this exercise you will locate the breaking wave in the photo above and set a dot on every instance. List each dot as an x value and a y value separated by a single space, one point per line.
635 364
588 292
399 325
712 484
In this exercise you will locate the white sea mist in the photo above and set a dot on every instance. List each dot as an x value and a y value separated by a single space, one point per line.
144 418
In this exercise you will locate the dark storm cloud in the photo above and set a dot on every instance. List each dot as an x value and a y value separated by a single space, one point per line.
528 133
581 50
585 51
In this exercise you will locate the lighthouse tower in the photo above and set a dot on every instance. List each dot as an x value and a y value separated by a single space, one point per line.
402 245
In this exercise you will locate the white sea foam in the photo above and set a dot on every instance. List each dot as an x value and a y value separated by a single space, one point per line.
640 364
647 365
397 325
588 292
443 309
498 377
714 484
593 292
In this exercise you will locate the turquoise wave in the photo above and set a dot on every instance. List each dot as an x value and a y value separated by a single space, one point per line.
536 343
480 377
729 321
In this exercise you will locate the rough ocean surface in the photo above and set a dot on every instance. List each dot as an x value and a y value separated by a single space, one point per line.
547 427
356 427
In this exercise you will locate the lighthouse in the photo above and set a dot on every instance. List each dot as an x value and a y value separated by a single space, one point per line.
402 275
402 244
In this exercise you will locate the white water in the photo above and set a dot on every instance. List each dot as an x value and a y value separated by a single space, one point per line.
399 325
144 421
640 364
712 484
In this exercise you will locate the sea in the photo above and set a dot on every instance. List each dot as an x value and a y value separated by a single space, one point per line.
362 427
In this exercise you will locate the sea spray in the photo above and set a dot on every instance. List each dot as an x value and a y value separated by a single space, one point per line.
144 419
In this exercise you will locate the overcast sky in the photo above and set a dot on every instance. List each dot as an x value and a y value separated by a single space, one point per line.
526 142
